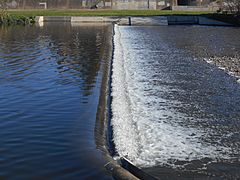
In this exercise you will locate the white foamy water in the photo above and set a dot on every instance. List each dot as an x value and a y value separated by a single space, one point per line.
144 128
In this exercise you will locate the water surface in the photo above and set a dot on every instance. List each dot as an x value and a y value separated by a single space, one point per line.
179 115
50 80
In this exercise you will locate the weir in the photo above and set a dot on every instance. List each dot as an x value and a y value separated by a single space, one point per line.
122 168
162 74
113 166
104 109
137 21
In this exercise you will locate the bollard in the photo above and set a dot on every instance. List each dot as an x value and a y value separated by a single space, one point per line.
129 21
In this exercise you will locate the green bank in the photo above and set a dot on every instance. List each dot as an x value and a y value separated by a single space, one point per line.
27 16
103 12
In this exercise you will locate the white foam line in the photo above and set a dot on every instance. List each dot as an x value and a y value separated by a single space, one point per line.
120 106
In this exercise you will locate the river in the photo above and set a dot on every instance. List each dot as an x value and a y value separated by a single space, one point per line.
175 100
50 79
174 114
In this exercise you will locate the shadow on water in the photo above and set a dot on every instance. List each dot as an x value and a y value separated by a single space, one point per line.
50 79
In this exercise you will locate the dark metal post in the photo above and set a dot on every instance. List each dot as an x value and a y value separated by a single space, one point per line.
129 21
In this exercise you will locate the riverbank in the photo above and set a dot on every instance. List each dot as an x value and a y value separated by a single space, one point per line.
13 17
104 12
26 16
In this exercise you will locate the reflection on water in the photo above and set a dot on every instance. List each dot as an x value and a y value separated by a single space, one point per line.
75 52
49 90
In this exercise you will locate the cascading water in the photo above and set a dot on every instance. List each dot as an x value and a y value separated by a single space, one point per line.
158 101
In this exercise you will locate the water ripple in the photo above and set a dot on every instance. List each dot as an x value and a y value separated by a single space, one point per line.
49 91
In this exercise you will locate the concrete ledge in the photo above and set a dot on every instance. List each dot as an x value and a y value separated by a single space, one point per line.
136 21
39 19
90 19
57 19
175 20
119 173
126 164
144 21
211 22
195 8
87 19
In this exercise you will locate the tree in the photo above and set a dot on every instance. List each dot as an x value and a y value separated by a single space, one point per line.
232 6
3 12
67 4
3 4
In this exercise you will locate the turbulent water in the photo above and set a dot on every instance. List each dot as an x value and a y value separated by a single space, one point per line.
171 108
50 79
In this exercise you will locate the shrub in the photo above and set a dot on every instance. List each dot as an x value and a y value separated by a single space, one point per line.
6 19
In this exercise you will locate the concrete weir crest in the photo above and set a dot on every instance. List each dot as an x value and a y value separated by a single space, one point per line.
135 21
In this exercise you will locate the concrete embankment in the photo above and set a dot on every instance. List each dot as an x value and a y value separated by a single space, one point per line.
137 21
198 20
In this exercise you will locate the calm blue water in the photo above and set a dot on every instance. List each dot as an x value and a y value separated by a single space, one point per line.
50 81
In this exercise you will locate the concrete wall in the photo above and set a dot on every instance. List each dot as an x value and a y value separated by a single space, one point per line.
135 21
134 4
194 8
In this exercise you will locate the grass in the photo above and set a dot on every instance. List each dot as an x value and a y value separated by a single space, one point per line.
27 15
82 12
